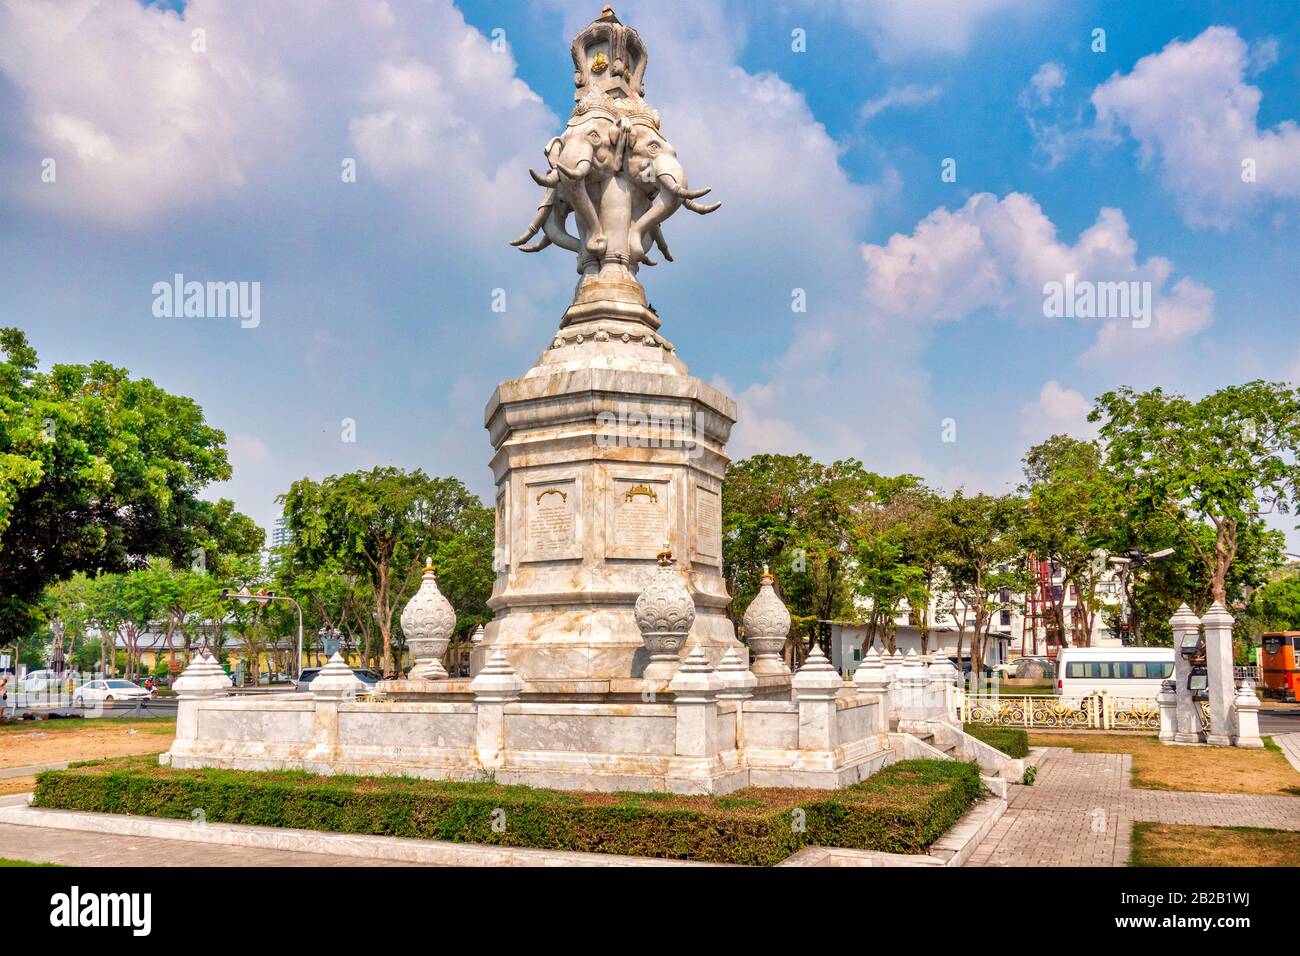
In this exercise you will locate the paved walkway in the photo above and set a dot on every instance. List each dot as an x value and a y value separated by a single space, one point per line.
1081 809
70 848
1290 744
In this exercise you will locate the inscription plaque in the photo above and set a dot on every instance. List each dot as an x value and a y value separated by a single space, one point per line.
550 526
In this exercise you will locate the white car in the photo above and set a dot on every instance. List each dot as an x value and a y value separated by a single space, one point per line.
111 689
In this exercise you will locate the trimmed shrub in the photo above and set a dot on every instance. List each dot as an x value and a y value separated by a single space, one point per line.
1012 741
902 809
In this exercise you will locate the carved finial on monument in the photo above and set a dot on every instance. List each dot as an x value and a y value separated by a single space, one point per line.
767 625
427 621
613 170
664 614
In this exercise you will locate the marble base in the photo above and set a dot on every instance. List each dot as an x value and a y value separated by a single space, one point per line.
605 451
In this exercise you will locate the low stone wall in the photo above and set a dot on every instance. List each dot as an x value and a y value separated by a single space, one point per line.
688 746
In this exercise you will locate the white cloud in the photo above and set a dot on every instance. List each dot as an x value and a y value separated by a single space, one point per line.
1056 411
901 28
911 94
1193 115
146 126
997 255
1047 79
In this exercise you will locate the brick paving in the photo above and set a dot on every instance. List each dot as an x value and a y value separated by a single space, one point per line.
1081 809
1290 744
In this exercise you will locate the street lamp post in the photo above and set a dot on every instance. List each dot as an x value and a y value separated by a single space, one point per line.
1134 560
243 596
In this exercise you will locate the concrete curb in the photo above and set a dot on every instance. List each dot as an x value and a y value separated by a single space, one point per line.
952 849
427 852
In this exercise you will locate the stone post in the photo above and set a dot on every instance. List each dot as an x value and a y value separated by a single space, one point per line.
1187 729
910 687
870 677
1246 706
695 693
1218 661
477 652
493 687
738 684
818 685
892 661
202 680
334 685
940 687
1167 699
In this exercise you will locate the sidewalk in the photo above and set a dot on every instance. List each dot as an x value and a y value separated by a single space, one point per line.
1081 809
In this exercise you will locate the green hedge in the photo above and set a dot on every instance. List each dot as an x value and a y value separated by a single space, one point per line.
902 809
1012 741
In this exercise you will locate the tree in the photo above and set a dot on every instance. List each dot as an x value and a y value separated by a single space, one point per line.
981 546
1210 467
1073 508
377 524
803 519
97 471
1276 605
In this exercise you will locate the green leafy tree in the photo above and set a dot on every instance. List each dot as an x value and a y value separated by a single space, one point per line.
1073 508
803 519
1209 468
1276 605
97 471
981 542
377 524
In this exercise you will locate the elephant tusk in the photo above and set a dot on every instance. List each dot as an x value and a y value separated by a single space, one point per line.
693 206
574 174
671 185
551 178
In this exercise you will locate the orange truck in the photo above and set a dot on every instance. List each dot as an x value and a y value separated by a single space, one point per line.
1280 662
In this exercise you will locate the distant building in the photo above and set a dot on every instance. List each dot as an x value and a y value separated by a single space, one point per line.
281 535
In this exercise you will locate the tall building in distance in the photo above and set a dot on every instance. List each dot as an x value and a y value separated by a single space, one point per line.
281 536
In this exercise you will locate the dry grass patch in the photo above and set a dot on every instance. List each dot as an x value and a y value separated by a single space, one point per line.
1168 844
1158 766
30 743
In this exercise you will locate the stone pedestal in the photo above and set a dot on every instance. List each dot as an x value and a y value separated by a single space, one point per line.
1187 725
1167 701
1246 707
1218 661
606 451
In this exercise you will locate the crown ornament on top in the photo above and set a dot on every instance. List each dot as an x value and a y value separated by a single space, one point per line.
611 169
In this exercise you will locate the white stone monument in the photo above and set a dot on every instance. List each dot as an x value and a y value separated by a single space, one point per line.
607 447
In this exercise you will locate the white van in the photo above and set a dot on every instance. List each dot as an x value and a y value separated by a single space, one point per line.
1119 671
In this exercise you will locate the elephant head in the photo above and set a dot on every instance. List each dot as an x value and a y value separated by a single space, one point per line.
653 165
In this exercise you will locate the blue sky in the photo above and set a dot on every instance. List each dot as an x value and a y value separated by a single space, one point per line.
924 296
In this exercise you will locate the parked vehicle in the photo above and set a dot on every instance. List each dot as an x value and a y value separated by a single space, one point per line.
1120 671
1280 663
368 677
1032 668
108 690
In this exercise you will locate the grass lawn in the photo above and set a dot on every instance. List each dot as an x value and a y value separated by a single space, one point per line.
1158 766
157 725
5 862
1168 844
902 809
